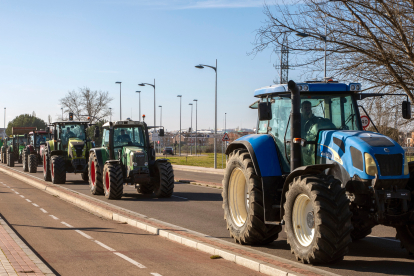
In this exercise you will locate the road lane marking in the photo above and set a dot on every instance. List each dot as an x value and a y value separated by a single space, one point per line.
16 193
156 274
22 196
383 238
28 200
12 189
84 234
52 216
105 246
43 210
179 197
130 260
67 224
34 204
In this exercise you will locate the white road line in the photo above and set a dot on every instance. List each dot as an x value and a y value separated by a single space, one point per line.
43 210
105 246
179 197
53 217
34 204
12 189
22 196
16 193
28 200
384 238
83 234
130 260
67 224
155 274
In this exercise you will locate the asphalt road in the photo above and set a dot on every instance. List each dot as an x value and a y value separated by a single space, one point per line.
200 209
72 241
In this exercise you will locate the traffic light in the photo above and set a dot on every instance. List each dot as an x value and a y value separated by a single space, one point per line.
70 116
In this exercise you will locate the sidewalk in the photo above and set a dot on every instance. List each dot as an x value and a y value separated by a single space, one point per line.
16 258
198 169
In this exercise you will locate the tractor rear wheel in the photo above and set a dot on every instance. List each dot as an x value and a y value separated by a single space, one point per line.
358 234
95 176
20 158
163 180
243 202
25 160
113 181
32 163
406 236
146 188
318 219
58 169
85 176
10 159
46 167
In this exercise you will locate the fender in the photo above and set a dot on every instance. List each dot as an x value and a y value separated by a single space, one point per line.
312 169
101 156
265 157
57 152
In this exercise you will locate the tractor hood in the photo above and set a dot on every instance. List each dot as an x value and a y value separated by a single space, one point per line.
76 148
137 157
355 150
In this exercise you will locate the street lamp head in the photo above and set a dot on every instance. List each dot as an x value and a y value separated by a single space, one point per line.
138 91
179 96
141 84
199 66
195 100
118 82
160 106
302 34
190 104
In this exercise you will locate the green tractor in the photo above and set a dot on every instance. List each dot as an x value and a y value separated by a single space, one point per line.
21 141
126 156
68 151
7 147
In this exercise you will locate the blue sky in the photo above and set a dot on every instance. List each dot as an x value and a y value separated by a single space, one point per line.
51 47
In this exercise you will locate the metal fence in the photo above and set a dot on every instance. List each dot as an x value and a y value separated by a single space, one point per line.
409 151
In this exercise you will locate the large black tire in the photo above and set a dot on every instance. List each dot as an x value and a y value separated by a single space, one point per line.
58 169
32 163
20 158
244 214
113 181
95 176
318 219
163 180
85 176
3 156
146 188
10 159
358 234
406 236
46 167
25 157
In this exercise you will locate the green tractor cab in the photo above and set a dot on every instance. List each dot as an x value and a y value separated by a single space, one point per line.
126 156
67 152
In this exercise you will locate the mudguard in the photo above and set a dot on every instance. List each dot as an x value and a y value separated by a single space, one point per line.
102 156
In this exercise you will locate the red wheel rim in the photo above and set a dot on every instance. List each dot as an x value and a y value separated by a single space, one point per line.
51 169
107 181
93 173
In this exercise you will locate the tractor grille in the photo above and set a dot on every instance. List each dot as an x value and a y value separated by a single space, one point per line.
139 158
78 149
390 164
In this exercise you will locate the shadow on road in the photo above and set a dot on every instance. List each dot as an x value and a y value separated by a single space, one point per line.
177 196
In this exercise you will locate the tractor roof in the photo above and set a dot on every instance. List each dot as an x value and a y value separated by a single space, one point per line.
70 122
126 123
329 86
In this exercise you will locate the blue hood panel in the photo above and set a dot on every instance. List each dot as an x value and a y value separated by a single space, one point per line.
338 149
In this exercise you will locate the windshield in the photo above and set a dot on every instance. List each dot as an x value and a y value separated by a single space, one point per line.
72 131
318 111
21 140
40 138
131 136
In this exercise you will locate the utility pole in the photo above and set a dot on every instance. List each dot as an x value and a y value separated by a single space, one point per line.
284 62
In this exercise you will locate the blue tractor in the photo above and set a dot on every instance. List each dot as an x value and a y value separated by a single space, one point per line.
312 168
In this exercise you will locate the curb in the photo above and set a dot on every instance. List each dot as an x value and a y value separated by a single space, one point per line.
247 257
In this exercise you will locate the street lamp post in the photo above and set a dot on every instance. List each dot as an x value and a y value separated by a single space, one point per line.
201 66
195 100
120 106
110 114
191 148
159 148
322 37
155 111
179 146
139 105
62 112
4 134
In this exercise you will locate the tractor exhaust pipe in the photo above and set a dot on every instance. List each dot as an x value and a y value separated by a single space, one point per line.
295 129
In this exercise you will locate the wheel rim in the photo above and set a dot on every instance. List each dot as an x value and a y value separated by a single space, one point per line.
92 170
303 220
107 181
51 169
238 197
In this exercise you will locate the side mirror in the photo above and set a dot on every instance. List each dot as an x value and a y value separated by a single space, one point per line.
97 132
406 110
161 132
265 111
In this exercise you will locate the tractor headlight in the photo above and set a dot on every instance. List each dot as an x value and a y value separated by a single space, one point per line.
406 170
370 165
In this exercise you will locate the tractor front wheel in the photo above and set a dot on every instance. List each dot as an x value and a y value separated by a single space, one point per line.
25 161
163 180
113 181
406 236
32 163
58 169
85 176
243 202
95 176
10 159
318 219
46 167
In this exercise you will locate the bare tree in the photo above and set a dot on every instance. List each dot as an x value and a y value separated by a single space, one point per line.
369 41
87 103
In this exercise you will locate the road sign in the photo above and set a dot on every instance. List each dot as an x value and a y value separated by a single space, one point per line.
225 137
155 137
365 121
